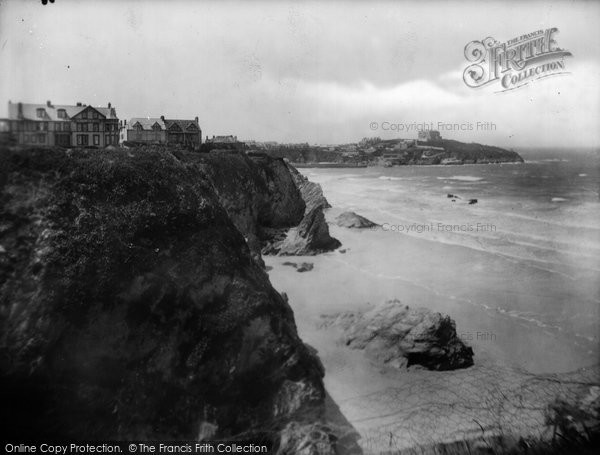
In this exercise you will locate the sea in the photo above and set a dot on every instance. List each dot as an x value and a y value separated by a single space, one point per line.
510 251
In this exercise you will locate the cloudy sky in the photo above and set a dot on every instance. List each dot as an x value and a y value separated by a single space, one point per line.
303 71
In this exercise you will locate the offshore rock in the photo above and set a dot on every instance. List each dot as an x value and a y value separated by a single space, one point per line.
131 308
397 335
353 220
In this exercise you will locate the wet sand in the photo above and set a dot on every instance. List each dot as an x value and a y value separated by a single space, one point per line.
517 370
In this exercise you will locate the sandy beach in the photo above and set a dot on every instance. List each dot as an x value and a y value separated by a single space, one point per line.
520 367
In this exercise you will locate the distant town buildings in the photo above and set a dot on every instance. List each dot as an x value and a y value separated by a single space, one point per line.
429 135
61 125
149 130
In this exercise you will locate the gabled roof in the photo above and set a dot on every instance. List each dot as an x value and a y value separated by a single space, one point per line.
93 109
146 122
29 111
183 124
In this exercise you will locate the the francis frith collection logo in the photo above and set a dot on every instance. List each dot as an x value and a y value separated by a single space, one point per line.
515 62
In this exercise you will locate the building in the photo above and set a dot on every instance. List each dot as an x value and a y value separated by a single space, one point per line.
223 143
222 140
62 125
429 135
151 130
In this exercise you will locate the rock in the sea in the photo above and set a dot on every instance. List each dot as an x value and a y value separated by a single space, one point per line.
394 334
131 308
353 220
303 267
310 237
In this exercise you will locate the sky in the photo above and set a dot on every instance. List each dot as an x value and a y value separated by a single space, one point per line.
326 72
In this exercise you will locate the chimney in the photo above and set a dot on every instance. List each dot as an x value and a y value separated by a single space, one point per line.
125 122
196 118
162 117
48 103
78 104
109 104
20 111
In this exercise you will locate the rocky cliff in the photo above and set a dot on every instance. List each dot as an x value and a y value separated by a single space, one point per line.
131 306
278 210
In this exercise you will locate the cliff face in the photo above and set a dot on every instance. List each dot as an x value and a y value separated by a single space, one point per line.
258 193
269 202
131 307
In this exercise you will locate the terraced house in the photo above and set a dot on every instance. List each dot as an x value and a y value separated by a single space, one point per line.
62 125
159 130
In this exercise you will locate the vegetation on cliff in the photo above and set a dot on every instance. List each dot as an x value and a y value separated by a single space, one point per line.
131 306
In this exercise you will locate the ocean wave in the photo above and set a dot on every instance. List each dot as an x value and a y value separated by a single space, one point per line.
462 178
384 177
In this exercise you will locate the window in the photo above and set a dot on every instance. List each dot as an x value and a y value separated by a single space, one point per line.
62 113
40 112
44 126
26 137
33 138
107 140
41 138
58 126
84 114
84 127
96 127
94 114
96 139
82 139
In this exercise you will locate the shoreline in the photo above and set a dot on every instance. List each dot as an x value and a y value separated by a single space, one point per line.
496 398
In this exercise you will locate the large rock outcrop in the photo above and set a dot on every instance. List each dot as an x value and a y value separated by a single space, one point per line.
310 237
271 203
258 192
311 192
131 308
397 335
354 221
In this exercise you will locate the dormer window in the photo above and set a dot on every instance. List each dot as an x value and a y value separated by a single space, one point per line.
41 112
156 127
137 126
62 113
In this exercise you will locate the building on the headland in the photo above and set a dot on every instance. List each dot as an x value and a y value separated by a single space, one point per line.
429 135
159 130
61 125
222 139
229 142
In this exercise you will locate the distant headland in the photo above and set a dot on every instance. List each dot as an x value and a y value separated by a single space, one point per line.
429 149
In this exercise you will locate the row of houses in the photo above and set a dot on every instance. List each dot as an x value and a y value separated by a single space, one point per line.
91 126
